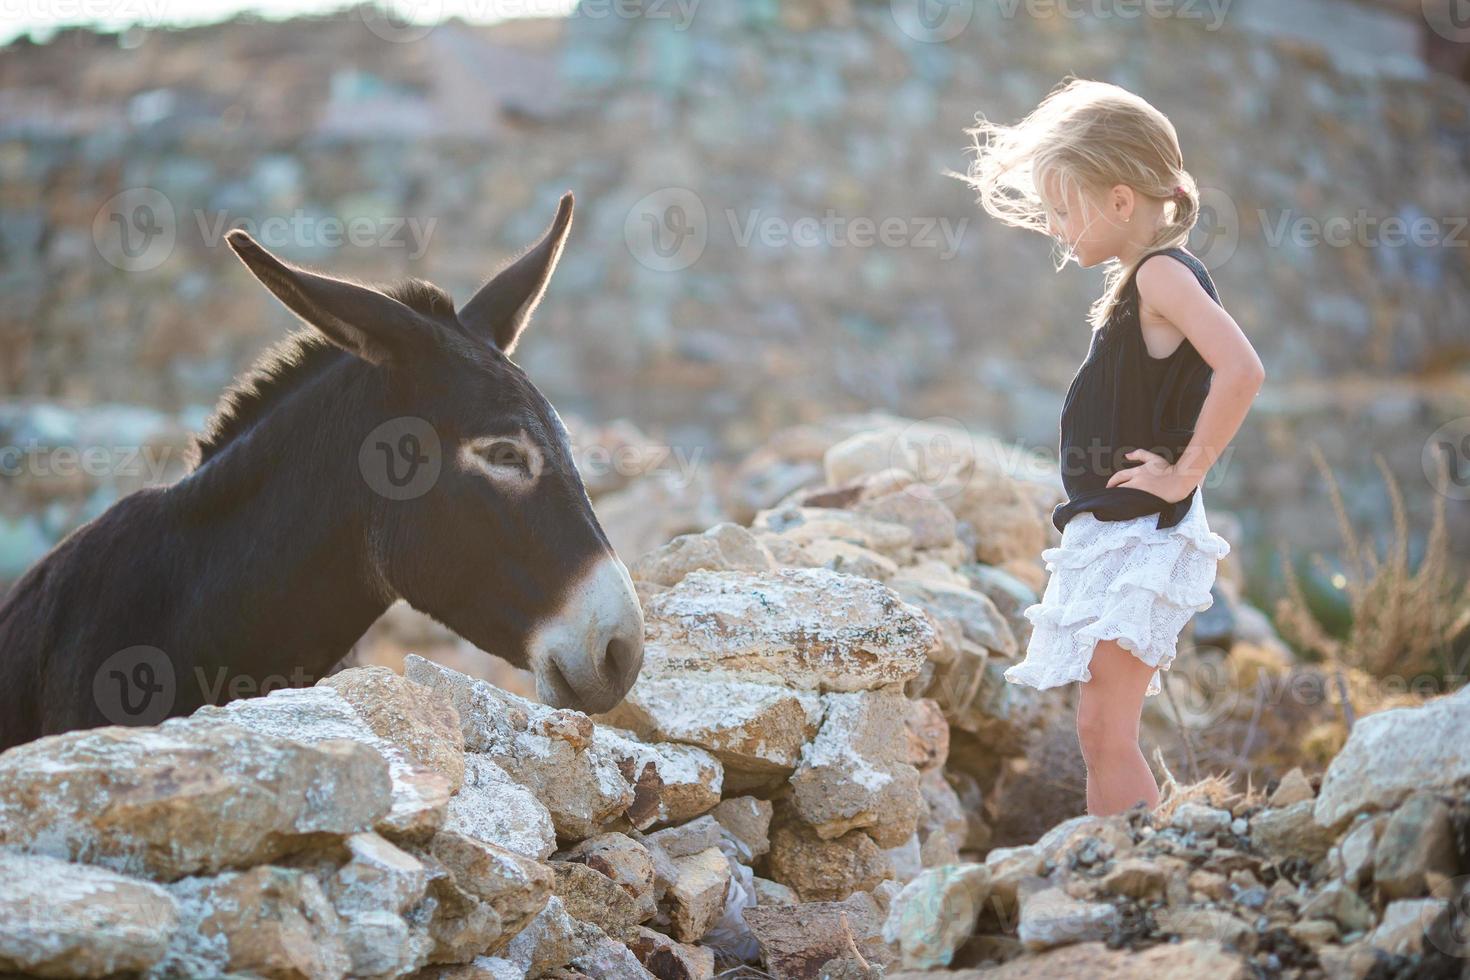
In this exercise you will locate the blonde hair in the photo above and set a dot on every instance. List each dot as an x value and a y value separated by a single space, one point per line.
1092 136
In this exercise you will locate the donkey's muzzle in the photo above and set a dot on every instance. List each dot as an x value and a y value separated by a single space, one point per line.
589 656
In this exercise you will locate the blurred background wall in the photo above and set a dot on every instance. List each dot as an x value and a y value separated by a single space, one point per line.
764 233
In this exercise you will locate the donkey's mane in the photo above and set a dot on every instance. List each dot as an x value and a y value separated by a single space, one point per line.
290 363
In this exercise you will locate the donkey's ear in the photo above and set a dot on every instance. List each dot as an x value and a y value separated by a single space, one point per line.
359 319
500 310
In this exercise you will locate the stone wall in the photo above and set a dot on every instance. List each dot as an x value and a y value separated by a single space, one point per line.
766 135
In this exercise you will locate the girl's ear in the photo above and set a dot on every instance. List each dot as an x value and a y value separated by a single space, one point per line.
1121 202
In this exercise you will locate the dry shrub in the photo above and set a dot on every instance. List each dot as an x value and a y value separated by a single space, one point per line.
1404 622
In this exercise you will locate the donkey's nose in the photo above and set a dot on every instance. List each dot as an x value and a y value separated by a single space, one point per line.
590 657
622 660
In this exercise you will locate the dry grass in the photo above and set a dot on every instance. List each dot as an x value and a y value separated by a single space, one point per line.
1404 623
1213 790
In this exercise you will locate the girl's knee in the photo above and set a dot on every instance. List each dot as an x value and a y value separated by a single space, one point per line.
1102 730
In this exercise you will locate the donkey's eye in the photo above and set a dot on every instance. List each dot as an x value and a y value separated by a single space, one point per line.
504 453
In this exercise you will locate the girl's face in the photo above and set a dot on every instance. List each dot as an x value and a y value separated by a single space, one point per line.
1080 222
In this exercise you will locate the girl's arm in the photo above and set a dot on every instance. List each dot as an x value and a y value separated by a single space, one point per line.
1169 287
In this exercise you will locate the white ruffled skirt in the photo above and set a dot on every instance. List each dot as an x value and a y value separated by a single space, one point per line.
1128 581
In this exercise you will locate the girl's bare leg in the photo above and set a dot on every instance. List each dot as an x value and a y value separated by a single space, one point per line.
1108 713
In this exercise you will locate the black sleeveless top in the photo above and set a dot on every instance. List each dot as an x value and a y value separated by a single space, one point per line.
1121 399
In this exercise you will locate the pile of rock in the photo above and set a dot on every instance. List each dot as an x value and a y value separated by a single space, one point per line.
777 788
1364 871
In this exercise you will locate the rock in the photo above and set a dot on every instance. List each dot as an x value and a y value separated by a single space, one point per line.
748 820
685 781
661 505
606 959
1197 818
376 876
545 750
906 860
1313 932
551 940
927 733
1209 884
935 914
1111 832
1050 917
915 507
626 862
1136 878
838 556
810 629
975 616
516 887
371 892
1416 853
686 839
1192 922
768 892
1291 832
268 921
190 796
854 774
754 728
765 477
69 920
670 960
381 944
316 714
1408 922
1095 961
1009 524
1352 857
1396 752
696 897
805 526
1009 866
826 870
1010 595
424 725
1342 905
492 807
1293 788
591 896
933 453
724 547
798 941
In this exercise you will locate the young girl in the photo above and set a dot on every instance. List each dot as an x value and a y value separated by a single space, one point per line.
1166 383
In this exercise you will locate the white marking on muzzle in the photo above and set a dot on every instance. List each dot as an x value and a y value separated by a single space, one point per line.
600 610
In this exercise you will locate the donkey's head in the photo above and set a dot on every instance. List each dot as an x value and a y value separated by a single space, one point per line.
502 545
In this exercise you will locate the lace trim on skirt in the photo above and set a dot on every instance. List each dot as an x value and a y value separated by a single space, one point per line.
1127 581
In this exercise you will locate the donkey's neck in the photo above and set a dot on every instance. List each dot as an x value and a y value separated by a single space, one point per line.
279 531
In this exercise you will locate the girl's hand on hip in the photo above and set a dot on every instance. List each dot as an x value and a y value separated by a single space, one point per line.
1154 475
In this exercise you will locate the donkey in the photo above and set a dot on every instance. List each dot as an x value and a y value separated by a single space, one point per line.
391 450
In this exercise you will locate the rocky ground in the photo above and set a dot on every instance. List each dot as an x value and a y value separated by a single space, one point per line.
815 775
